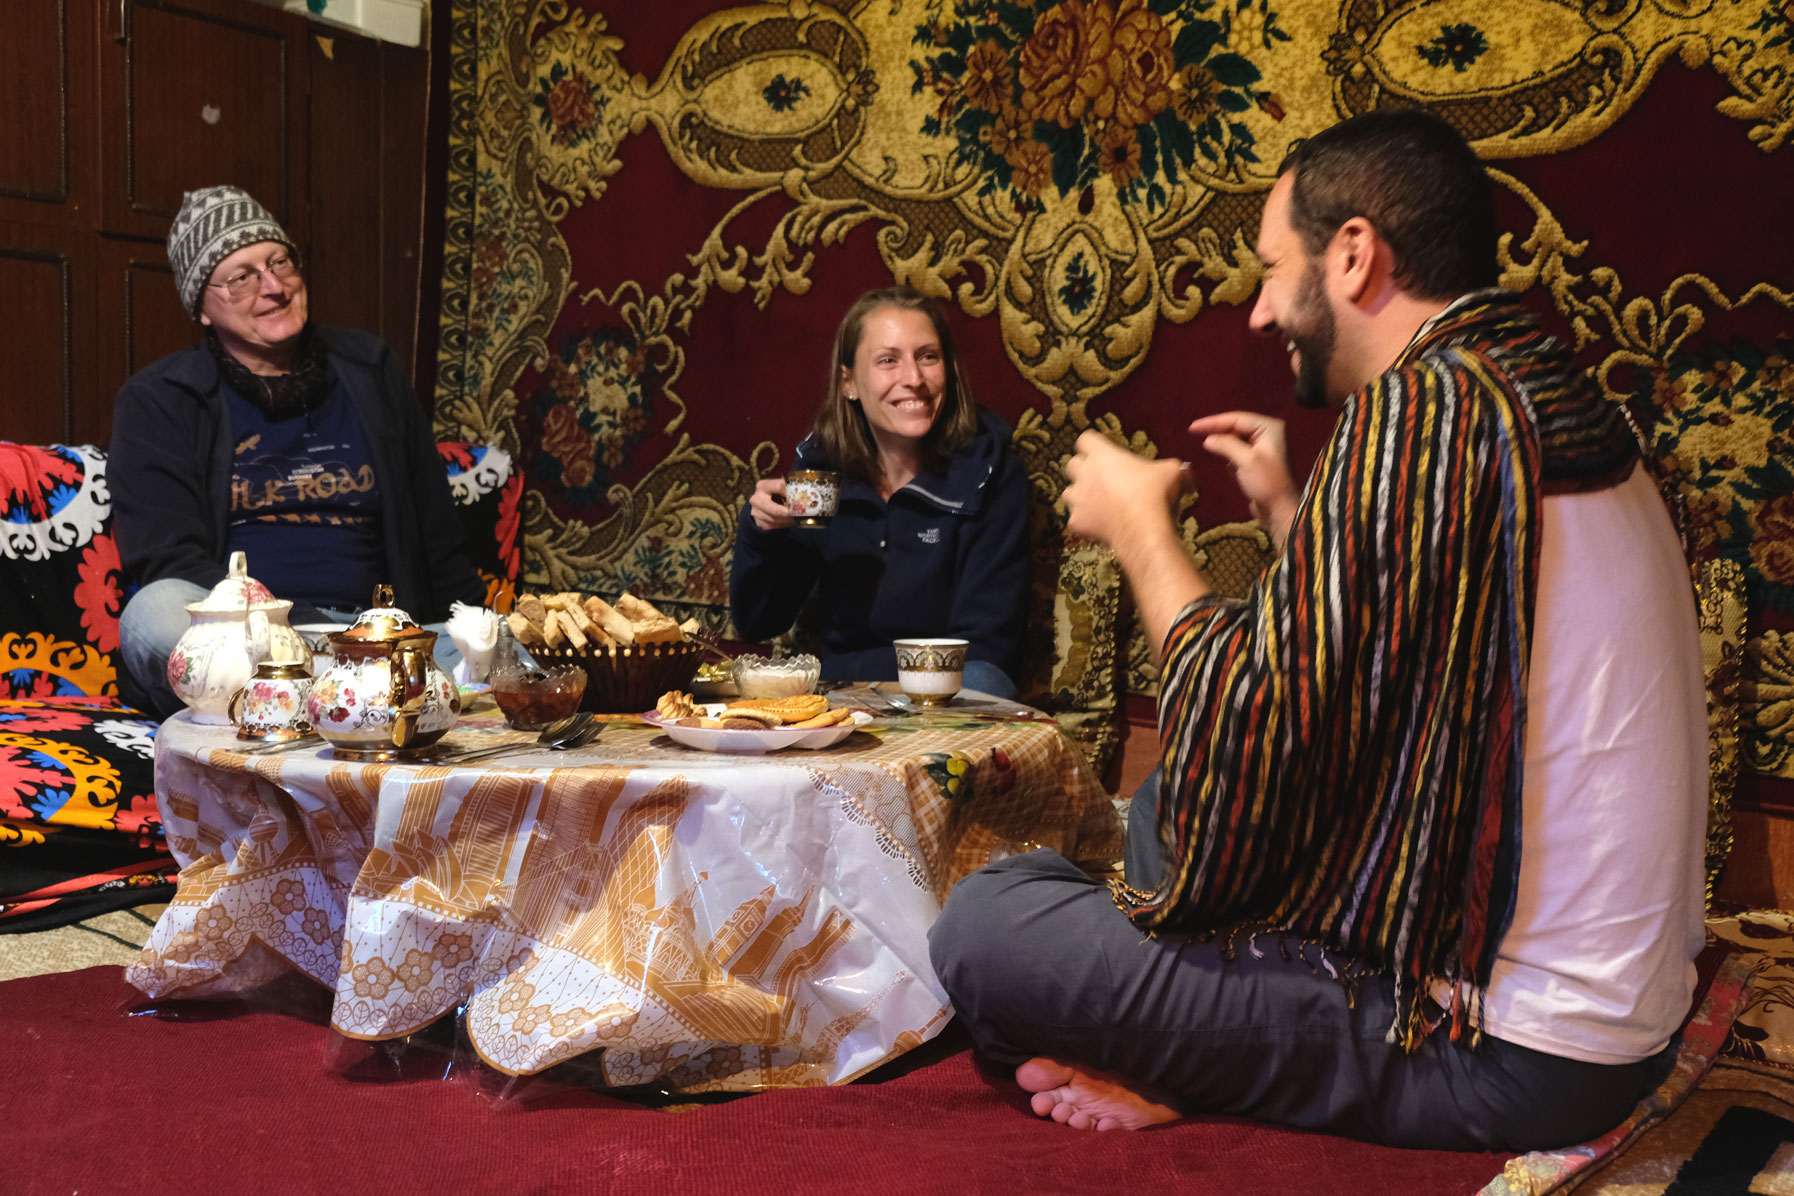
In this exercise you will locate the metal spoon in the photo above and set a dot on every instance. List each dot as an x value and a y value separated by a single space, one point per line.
891 705
309 739
576 730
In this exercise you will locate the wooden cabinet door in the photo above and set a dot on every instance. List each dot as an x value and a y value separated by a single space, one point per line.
46 55
35 100
43 351
139 311
198 93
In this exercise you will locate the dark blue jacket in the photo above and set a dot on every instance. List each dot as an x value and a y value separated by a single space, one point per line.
946 556
172 454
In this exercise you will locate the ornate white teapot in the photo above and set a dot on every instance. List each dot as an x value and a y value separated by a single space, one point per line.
383 697
233 629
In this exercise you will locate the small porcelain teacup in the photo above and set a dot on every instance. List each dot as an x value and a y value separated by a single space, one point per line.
930 671
811 495
271 704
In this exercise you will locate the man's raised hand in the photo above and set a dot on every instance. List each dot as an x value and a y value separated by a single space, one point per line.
1112 494
1127 502
1254 448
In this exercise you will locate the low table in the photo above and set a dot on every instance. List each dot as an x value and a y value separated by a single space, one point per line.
710 922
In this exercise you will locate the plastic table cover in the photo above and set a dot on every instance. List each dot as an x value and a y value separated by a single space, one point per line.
711 922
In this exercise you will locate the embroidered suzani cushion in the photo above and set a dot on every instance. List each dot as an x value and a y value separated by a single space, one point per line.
79 832
487 489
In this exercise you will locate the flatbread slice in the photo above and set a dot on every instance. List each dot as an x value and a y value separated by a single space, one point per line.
658 631
576 639
592 632
649 624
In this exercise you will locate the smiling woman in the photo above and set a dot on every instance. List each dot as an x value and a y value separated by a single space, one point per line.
930 532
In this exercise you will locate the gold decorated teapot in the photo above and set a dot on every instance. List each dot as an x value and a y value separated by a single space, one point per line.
383 697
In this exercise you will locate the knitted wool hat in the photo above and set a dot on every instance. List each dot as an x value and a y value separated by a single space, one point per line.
213 223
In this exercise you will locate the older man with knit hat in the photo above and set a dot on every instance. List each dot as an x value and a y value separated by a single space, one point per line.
300 444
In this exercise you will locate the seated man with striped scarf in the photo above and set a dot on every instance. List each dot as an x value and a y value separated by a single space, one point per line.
1423 861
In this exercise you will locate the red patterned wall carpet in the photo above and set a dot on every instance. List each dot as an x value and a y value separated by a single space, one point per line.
655 214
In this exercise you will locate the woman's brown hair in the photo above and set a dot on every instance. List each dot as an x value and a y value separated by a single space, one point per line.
841 426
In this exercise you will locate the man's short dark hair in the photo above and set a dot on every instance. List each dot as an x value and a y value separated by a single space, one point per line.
1421 187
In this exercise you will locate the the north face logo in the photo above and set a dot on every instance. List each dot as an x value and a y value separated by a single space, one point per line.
931 536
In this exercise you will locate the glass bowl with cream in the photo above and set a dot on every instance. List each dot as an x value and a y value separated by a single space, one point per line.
783 677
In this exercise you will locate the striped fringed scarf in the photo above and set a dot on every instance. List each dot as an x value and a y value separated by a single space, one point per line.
1342 750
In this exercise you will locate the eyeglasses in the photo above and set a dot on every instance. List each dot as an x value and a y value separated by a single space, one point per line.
248 280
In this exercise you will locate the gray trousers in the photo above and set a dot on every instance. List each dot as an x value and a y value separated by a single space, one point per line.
1039 961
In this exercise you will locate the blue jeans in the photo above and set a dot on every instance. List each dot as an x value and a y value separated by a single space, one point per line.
155 618
1039 961
986 677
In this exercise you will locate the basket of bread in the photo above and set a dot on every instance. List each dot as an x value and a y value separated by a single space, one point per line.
631 652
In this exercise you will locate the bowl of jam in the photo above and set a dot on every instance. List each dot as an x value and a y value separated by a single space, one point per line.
533 698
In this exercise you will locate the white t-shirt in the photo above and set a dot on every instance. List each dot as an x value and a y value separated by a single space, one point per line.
1598 964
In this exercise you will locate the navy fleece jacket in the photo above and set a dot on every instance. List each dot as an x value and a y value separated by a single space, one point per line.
946 556
170 470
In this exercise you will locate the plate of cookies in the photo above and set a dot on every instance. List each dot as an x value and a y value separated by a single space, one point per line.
750 727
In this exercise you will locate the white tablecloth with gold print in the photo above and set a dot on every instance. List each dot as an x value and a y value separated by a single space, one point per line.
712 922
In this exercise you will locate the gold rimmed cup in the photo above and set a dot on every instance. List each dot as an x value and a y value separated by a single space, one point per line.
930 671
811 494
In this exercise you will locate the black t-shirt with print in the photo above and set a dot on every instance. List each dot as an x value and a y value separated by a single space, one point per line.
305 505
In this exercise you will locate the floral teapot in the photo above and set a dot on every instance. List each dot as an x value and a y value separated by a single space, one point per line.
383 697
233 629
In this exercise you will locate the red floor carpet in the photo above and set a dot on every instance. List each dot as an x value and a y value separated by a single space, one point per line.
93 1101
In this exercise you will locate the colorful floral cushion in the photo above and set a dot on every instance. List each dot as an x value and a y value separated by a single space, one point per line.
487 491
79 832
57 546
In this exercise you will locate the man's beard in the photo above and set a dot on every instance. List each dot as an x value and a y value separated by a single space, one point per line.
1312 332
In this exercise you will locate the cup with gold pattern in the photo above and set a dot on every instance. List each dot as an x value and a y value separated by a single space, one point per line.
271 706
811 495
930 671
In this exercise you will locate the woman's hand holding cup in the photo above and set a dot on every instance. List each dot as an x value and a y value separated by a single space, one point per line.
809 499
767 504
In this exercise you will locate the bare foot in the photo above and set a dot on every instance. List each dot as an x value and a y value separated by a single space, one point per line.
1086 1099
